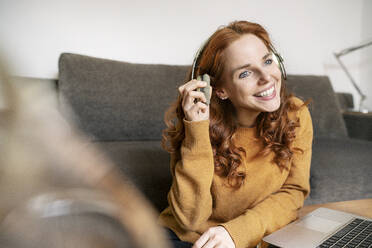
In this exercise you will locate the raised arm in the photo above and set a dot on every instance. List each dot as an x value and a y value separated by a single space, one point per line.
192 169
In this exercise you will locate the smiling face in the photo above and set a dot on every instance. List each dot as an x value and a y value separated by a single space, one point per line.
251 78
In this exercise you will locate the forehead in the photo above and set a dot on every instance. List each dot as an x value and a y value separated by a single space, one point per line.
247 49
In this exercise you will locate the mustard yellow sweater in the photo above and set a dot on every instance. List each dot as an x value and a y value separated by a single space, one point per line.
268 199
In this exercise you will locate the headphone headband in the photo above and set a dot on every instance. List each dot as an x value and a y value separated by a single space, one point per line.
273 50
201 48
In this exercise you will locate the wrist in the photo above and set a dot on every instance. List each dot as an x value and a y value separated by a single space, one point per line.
196 133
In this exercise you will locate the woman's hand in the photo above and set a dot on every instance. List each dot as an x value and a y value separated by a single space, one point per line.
215 237
193 102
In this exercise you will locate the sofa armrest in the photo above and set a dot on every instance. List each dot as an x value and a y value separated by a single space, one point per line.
359 125
345 100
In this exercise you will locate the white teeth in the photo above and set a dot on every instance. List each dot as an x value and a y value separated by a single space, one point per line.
266 92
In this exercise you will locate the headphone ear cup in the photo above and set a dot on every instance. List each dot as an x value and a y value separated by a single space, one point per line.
279 61
281 65
282 69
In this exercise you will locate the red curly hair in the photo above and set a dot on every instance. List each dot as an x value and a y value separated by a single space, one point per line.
275 129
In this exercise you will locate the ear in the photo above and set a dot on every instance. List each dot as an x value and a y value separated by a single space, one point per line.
222 94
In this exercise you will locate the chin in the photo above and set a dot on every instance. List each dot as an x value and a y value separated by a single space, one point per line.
270 103
272 106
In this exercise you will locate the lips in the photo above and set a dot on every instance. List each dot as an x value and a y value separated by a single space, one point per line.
267 93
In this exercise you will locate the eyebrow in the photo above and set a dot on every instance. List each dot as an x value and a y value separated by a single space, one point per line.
248 65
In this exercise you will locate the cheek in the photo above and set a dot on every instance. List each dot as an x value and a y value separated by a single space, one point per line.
277 72
245 91
239 92
279 84
279 89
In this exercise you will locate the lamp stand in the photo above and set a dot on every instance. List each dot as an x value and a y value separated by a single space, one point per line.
344 52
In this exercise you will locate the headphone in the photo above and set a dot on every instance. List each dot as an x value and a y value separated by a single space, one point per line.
277 58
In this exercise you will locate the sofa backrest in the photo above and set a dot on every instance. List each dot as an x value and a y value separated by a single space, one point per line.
325 111
120 101
117 100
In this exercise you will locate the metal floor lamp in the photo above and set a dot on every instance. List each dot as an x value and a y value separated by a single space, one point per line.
343 52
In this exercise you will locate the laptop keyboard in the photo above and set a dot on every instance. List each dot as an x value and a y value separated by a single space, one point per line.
358 233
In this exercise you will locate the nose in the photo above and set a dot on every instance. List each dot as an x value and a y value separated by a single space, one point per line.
264 77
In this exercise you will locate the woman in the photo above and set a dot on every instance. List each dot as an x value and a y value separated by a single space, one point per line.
241 164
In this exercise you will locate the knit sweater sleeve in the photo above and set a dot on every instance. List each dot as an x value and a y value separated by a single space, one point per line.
190 198
281 207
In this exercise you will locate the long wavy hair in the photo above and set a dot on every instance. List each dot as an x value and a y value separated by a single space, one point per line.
275 130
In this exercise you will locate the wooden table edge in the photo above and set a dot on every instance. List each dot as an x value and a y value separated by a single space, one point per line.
362 207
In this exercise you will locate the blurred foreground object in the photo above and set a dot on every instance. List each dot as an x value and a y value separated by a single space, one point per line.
56 188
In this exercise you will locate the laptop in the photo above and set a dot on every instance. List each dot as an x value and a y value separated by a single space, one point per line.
324 228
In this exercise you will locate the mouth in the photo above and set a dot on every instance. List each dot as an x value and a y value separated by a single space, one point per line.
266 94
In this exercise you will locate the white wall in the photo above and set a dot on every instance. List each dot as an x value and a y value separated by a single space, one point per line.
34 32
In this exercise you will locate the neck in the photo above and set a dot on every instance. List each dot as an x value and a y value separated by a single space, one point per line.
247 118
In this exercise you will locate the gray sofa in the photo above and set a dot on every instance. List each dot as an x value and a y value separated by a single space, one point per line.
121 106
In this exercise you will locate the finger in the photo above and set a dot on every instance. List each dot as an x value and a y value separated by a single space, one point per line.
197 107
181 89
211 243
196 111
182 92
189 100
193 85
189 84
197 95
201 241
187 103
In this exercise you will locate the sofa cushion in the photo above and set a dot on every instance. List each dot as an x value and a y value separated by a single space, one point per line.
325 112
116 100
147 166
341 169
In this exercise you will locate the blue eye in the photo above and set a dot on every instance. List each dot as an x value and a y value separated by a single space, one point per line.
268 61
244 74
